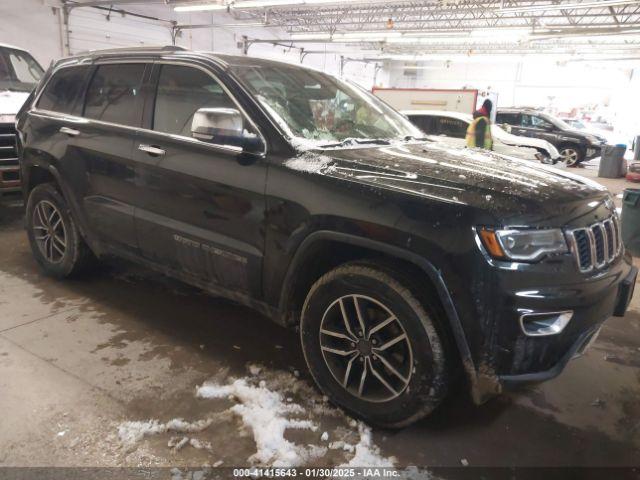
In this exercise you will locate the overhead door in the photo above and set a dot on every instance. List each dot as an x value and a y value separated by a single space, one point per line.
92 29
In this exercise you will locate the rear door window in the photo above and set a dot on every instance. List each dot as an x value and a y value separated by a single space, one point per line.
114 94
64 91
508 118
452 127
182 91
424 123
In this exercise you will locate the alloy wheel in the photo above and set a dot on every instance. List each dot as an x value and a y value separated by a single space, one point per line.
570 156
366 348
49 231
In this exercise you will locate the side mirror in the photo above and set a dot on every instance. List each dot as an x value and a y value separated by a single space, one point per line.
223 126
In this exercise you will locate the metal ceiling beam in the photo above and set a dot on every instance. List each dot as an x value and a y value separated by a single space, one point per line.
462 14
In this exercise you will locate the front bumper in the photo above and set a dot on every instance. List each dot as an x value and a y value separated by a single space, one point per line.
593 151
546 357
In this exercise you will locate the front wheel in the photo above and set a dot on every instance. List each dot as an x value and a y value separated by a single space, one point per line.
372 347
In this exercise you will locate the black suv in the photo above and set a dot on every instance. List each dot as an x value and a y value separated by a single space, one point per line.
305 197
574 145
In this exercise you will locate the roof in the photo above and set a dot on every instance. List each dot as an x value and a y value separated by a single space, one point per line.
163 50
519 109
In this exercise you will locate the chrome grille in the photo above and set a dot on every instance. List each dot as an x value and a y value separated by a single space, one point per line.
8 152
597 245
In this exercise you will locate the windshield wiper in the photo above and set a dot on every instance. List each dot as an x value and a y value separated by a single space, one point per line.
353 142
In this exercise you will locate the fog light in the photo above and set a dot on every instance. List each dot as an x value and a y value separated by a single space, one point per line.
544 324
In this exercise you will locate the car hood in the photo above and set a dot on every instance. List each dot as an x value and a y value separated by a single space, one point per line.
511 189
583 134
11 102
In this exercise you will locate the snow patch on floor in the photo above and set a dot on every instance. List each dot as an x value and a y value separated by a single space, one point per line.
367 454
132 432
268 404
267 415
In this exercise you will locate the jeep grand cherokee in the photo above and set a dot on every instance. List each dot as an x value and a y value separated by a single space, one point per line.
575 146
308 199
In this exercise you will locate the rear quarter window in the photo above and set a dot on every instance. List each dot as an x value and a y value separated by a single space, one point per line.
63 92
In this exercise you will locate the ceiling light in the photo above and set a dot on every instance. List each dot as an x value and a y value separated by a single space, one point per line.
500 33
200 8
367 35
568 6
311 36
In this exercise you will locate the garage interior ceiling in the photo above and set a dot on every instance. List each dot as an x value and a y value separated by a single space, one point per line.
468 27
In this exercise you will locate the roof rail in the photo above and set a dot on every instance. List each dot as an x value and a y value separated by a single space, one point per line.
150 49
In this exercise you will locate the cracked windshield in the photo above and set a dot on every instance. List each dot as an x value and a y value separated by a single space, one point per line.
321 109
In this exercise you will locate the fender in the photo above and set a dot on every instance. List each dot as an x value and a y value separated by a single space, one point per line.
76 211
432 272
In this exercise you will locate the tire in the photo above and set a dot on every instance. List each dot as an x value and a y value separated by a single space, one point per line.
571 155
65 253
421 377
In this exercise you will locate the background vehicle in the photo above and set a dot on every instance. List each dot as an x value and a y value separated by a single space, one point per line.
574 146
451 128
19 74
309 199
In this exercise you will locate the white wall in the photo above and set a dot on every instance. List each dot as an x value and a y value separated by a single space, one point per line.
534 81
29 24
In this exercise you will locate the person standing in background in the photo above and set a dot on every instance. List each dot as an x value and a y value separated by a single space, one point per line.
479 131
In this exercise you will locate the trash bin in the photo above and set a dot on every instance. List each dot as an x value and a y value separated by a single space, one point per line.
630 221
612 161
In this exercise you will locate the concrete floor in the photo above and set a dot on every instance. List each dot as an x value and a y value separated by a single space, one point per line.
78 358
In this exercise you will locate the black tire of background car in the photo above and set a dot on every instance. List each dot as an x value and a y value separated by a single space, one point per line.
77 256
430 379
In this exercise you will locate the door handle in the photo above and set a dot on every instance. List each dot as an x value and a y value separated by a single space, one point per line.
151 150
70 131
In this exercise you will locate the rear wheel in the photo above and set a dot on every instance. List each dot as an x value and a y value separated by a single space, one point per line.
53 235
371 346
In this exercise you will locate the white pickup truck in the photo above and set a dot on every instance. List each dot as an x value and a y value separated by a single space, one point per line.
451 127
19 74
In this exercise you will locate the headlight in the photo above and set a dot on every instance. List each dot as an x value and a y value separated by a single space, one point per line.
593 140
523 245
